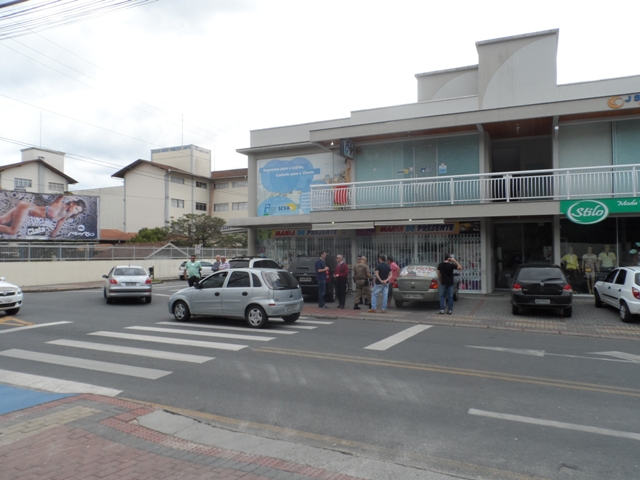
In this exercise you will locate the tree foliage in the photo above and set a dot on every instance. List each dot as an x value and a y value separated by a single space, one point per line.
193 229
233 240
150 235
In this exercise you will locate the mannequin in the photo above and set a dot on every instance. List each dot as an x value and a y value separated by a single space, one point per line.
589 261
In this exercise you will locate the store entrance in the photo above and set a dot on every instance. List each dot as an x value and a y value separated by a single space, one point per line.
516 243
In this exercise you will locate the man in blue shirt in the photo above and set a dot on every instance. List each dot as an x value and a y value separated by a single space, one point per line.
381 284
321 277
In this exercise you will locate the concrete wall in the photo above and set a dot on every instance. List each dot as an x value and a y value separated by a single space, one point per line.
30 274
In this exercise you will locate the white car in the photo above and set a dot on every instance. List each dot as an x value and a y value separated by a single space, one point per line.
620 289
11 297
207 269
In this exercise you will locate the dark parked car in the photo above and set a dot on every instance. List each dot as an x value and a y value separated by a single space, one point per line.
303 268
541 286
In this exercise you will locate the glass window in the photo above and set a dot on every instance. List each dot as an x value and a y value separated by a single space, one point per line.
21 183
129 272
239 206
220 207
239 184
239 280
56 187
222 185
540 274
266 264
239 263
280 280
177 203
609 278
201 206
175 179
256 280
201 185
622 276
214 281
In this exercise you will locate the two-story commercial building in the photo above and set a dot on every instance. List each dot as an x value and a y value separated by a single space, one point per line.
495 162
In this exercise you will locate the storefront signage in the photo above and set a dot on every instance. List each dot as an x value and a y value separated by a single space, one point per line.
587 212
620 101
347 148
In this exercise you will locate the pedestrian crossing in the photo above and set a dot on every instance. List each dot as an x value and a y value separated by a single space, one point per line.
212 337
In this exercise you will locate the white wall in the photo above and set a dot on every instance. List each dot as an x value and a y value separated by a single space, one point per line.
30 274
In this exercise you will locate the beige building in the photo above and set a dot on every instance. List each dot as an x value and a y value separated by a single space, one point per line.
40 171
230 194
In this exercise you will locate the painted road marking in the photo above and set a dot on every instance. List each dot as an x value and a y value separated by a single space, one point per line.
204 334
94 365
15 322
317 322
172 341
142 352
19 329
224 327
398 337
542 353
55 385
160 295
551 423
300 327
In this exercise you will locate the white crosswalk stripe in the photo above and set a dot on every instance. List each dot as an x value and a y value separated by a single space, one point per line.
55 385
204 334
171 341
225 327
140 372
398 338
316 322
142 352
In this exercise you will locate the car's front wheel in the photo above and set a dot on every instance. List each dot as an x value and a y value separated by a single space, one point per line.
291 318
598 299
625 315
256 317
181 311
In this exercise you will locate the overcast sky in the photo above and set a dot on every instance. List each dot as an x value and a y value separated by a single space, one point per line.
106 91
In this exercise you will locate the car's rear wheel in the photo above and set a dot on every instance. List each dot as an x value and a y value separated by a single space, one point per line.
596 295
256 316
567 312
291 318
515 309
147 299
12 311
399 303
181 311
625 316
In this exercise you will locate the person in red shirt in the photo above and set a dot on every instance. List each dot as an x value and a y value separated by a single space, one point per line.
395 271
341 276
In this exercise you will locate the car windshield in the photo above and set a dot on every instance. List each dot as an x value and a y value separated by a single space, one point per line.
129 272
540 275
280 280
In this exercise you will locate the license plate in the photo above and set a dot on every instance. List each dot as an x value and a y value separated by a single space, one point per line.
543 301
412 295
305 279
6 300
130 284
291 308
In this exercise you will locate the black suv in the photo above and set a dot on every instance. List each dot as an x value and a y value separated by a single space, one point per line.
303 267
541 285
253 262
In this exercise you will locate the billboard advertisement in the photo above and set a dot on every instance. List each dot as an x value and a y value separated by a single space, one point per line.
284 184
34 216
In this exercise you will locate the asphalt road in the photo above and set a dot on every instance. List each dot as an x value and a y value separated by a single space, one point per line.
469 402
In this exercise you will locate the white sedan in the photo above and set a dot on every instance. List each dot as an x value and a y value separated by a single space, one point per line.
10 297
621 290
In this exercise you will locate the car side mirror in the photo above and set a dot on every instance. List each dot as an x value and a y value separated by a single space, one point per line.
105 276
197 286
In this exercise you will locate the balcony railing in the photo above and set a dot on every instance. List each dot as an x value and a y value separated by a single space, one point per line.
531 185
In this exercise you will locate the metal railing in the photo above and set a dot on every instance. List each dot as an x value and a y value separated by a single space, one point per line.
530 185
41 252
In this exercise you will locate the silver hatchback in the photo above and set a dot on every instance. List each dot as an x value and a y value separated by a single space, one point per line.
127 281
250 293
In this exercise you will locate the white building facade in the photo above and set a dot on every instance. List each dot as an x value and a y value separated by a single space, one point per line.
495 162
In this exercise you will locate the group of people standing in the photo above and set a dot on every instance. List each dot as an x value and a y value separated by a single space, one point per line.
193 268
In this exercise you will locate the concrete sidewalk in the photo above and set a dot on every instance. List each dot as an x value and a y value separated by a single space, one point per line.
87 437
471 310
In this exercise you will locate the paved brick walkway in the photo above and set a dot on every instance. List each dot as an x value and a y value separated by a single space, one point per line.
87 437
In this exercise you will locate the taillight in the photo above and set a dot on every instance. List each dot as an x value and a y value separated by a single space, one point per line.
113 281
516 287
147 281
636 292
567 287
434 284
394 284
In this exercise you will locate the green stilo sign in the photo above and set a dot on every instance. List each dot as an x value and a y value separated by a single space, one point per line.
587 212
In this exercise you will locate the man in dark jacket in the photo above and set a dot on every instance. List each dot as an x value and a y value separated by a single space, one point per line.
341 276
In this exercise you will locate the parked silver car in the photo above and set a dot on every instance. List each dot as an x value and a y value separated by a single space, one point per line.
620 289
249 293
11 297
419 283
127 281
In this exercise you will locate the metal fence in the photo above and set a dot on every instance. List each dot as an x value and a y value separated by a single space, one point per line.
41 252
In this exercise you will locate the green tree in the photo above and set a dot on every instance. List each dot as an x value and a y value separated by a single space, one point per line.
233 240
150 235
192 229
